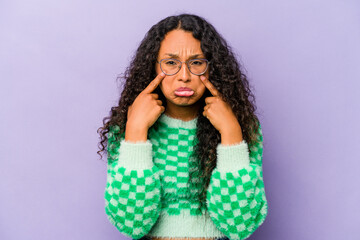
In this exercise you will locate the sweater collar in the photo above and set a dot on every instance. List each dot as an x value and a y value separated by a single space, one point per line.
178 123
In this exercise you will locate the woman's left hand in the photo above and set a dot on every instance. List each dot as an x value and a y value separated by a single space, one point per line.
218 111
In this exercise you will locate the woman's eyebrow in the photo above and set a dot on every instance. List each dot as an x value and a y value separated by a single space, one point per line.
172 55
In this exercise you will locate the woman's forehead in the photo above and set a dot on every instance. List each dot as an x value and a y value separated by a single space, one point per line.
179 43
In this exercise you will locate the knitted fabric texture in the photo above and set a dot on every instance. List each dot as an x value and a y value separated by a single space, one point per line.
148 194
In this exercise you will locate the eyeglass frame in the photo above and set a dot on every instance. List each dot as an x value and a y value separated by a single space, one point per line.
187 64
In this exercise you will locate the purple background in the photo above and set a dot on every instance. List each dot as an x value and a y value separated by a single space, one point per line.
58 66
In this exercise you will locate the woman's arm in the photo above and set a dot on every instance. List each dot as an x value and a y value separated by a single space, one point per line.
236 197
132 194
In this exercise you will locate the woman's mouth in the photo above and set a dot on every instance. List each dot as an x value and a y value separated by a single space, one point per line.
184 92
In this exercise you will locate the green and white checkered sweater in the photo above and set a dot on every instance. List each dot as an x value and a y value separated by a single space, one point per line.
147 190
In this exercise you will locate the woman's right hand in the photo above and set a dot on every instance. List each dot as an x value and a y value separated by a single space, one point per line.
146 108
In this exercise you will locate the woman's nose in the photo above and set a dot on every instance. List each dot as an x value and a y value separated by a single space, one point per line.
184 73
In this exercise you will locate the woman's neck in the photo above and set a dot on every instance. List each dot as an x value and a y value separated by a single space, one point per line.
185 113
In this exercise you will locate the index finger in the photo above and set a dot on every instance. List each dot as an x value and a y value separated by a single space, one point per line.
210 86
154 83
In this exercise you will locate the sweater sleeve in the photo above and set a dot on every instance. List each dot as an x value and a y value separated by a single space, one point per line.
132 193
236 198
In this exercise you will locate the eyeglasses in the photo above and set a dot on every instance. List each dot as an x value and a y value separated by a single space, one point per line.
171 66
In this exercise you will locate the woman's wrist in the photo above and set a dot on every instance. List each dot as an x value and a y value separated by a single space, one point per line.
135 133
231 136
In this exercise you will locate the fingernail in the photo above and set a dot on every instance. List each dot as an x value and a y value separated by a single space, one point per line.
162 74
202 78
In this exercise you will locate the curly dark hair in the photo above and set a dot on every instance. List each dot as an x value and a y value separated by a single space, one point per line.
225 73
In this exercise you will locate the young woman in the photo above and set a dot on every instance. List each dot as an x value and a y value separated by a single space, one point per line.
184 145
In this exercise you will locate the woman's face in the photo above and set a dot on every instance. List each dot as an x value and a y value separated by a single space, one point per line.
183 46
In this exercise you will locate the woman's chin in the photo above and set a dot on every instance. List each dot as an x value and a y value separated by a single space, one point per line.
183 101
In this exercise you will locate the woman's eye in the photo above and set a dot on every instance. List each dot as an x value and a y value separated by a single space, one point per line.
170 62
196 63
